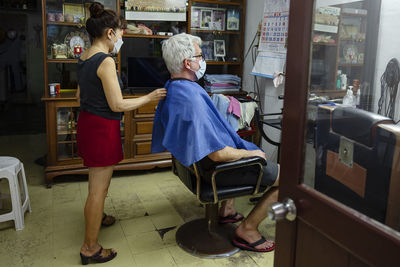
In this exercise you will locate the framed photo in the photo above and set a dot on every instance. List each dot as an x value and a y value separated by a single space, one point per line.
205 18
232 21
218 20
75 11
207 49
219 48
195 17
160 10
87 11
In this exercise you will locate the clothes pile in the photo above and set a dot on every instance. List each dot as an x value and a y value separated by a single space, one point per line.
238 114
221 83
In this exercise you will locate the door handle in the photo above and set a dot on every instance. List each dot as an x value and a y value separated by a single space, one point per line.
282 210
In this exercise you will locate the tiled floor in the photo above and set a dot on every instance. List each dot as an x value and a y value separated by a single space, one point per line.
143 202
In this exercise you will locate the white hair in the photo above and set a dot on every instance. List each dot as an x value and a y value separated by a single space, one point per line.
178 48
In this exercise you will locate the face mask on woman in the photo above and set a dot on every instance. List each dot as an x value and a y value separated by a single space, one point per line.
117 45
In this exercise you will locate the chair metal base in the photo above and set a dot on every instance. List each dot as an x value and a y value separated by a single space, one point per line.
196 238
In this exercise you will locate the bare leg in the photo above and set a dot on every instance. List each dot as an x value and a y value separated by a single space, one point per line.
228 208
99 181
248 229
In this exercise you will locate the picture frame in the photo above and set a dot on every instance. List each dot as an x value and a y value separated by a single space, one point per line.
87 11
207 49
77 11
233 20
150 10
218 20
195 18
219 48
206 18
108 4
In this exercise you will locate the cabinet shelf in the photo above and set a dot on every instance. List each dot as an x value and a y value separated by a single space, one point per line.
213 31
130 35
222 63
67 158
350 65
66 142
354 15
64 132
66 60
64 23
351 40
324 44
217 2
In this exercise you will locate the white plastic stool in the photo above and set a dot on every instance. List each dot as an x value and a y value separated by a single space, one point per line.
10 168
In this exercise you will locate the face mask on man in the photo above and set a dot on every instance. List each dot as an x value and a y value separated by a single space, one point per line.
200 72
117 45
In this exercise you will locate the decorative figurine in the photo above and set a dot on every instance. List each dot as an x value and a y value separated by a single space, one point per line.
77 51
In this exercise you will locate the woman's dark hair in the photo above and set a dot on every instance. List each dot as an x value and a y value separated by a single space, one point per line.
102 19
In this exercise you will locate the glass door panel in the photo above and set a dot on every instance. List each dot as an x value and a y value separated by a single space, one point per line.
352 143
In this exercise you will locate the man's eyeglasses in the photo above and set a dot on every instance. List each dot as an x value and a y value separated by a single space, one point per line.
201 56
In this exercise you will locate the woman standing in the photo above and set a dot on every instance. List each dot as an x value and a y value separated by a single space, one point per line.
98 133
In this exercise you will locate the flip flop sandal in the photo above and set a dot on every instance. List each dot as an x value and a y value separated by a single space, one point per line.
243 244
107 220
231 218
97 257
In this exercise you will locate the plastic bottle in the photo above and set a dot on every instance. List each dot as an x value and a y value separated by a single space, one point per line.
338 80
358 96
348 99
343 79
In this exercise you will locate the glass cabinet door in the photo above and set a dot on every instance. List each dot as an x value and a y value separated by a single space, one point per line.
341 34
219 25
67 118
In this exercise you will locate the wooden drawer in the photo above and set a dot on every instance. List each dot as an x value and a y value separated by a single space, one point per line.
143 148
147 110
143 127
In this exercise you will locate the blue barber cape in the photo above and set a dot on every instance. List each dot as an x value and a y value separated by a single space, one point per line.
189 126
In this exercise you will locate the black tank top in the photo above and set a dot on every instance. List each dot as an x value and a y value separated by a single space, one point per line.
92 97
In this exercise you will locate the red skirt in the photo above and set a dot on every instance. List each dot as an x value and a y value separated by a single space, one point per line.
98 140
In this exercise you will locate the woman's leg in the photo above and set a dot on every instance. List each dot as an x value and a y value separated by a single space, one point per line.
99 181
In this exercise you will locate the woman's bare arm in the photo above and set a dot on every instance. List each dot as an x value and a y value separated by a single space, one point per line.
107 74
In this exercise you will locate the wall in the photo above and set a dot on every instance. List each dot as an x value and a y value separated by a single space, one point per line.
388 47
268 93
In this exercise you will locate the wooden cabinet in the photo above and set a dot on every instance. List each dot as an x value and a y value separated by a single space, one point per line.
60 67
344 45
220 25
136 130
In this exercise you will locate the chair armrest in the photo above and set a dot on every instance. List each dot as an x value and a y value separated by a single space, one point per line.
239 163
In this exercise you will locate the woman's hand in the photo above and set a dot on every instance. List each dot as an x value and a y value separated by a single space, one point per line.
157 94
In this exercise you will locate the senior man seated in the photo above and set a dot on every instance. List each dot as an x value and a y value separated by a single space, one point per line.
188 125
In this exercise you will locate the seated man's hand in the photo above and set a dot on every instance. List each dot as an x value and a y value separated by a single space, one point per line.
258 153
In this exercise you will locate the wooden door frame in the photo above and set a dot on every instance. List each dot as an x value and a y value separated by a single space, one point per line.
356 234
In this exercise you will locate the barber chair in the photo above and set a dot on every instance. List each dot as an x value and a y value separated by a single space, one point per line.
206 237
357 161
